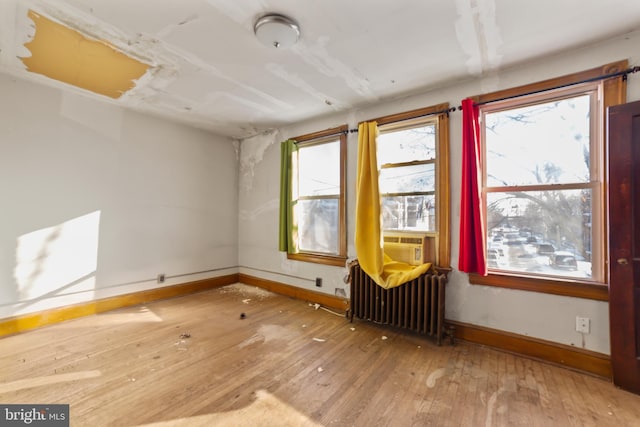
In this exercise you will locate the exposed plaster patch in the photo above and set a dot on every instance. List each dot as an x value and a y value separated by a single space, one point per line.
255 212
171 28
15 30
297 81
251 153
478 34
316 55
241 12
236 147
214 98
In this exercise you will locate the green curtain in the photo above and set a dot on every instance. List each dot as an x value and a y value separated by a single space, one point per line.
386 272
287 223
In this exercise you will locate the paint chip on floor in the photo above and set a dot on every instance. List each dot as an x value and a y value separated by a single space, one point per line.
434 377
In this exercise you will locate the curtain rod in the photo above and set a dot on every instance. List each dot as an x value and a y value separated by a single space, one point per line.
434 113
624 73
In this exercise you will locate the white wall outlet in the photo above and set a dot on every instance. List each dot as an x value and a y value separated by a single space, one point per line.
583 324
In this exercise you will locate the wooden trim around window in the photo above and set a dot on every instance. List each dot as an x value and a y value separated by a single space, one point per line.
443 193
339 259
545 285
443 190
557 82
613 93
319 258
407 115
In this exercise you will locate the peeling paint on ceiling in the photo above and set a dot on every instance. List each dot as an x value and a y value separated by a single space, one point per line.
479 34
206 68
63 54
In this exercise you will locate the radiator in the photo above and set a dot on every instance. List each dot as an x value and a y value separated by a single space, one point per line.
417 305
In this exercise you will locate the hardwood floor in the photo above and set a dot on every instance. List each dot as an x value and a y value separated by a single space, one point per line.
286 363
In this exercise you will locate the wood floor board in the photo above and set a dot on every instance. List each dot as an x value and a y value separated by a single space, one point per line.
131 367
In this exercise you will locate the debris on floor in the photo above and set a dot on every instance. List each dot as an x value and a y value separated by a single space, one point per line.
246 301
319 339
353 329
181 345
317 306
384 337
185 335
320 369
243 316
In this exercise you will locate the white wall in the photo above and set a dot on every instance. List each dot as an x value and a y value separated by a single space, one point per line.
96 201
538 315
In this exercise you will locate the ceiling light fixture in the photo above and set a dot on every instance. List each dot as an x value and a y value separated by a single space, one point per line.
276 31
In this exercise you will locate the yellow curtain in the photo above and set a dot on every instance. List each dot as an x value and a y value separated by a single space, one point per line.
368 235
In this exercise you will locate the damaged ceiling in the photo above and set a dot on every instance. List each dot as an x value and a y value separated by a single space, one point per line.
198 61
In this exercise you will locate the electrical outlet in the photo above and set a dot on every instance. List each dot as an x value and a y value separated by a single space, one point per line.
583 324
161 278
319 282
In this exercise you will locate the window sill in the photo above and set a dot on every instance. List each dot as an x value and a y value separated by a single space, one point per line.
319 259
570 288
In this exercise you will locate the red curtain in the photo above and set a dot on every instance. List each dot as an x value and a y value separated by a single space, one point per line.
472 234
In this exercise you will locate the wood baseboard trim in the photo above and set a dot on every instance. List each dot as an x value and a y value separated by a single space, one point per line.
295 292
13 325
569 357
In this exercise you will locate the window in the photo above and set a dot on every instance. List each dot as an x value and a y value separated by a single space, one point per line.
318 197
414 177
544 186
406 158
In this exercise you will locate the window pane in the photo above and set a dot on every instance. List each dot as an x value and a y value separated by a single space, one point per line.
319 169
408 179
546 232
318 229
407 145
539 144
409 213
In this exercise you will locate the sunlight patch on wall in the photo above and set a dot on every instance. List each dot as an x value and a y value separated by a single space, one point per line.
59 259
63 54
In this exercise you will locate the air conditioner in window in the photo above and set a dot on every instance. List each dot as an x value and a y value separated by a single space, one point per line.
412 248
